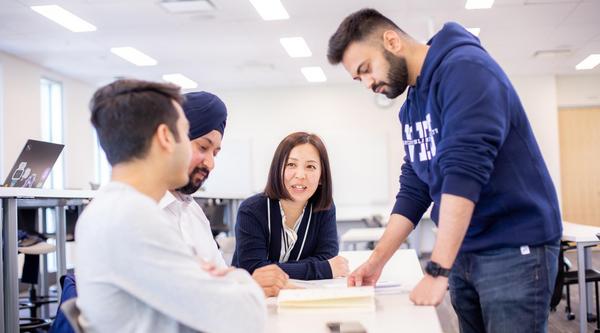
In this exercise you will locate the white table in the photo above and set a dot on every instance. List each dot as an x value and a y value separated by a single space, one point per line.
394 312
11 198
582 235
360 235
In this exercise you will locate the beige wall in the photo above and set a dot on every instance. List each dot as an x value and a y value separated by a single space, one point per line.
21 118
578 90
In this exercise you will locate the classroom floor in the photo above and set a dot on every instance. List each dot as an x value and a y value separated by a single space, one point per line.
557 322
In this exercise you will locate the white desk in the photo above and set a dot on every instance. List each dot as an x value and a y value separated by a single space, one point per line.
582 235
360 235
11 198
394 312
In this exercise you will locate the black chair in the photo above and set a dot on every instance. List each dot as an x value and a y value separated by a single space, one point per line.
215 212
566 278
33 301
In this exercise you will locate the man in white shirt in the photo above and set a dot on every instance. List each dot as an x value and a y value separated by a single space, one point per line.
134 271
207 116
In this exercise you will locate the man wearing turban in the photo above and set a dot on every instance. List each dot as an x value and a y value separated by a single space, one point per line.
207 116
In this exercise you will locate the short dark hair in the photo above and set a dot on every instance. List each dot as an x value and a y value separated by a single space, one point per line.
275 189
356 27
127 112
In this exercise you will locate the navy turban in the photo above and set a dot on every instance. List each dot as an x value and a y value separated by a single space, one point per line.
205 112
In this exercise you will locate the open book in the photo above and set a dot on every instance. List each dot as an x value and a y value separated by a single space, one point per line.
358 298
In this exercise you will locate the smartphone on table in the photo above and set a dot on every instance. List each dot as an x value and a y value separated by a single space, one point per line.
346 327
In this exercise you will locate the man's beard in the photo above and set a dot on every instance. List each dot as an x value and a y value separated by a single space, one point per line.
397 75
191 187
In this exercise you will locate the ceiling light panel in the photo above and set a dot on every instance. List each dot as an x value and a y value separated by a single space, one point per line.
64 18
296 47
181 80
134 56
479 4
270 10
313 74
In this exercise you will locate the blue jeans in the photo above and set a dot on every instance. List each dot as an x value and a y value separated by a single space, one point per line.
504 290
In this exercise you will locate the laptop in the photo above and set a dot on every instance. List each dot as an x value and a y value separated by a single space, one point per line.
34 164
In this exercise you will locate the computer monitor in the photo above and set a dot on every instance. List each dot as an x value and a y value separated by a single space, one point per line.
34 164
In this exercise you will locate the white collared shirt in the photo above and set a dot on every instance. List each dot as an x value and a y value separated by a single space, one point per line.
289 236
193 225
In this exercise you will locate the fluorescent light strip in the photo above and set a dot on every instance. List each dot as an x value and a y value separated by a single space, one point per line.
479 4
134 56
590 62
296 47
474 31
64 17
314 74
270 10
181 80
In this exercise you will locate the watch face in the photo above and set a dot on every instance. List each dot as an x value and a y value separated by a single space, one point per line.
429 269
434 269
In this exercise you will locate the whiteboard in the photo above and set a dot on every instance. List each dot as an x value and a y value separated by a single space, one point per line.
233 171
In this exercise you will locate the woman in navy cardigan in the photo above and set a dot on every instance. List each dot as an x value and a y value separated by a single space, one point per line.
292 224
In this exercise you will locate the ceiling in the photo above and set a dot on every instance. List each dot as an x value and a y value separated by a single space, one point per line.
232 47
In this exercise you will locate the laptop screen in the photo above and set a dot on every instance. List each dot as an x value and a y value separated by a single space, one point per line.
34 164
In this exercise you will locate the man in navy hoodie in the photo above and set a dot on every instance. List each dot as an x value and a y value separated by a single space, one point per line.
470 150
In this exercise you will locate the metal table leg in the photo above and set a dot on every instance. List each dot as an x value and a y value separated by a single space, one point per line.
582 287
588 264
11 266
61 240
3 300
44 289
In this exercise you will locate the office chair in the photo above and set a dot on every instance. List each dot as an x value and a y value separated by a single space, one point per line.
33 245
566 278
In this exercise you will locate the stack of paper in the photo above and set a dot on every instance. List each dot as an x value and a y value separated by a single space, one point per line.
382 287
359 298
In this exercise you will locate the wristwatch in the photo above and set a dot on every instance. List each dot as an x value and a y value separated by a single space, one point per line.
434 269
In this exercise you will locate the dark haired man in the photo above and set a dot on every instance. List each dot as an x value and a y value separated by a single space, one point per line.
207 116
134 271
469 148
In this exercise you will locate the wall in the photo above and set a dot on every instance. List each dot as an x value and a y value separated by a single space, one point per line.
259 119
361 136
21 105
363 140
578 90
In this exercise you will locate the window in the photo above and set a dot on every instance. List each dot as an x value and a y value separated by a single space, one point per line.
52 127
102 166
1 125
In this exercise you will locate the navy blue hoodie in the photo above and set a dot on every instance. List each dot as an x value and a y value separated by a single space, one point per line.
465 133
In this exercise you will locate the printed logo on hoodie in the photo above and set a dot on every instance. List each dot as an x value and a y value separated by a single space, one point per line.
425 141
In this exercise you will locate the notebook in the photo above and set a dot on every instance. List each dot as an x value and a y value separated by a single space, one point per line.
357 298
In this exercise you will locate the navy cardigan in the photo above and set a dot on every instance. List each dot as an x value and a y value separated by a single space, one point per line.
254 249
